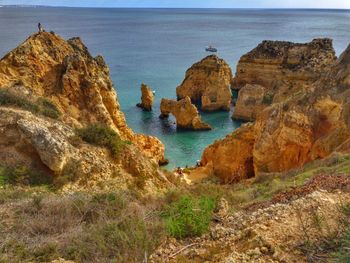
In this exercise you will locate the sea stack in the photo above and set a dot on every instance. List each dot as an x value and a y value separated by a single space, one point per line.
186 114
277 70
207 83
147 98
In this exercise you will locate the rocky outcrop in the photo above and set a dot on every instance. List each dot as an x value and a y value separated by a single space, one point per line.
186 114
278 70
308 125
147 98
207 83
231 159
52 148
252 99
77 83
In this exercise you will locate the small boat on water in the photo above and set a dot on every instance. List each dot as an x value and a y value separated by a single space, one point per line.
211 49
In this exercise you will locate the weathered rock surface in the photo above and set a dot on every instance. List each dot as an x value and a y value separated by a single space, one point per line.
252 99
51 146
231 159
308 125
186 114
208 83
79 84
147 98
270 234
278 70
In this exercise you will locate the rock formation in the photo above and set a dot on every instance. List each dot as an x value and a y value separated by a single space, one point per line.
208 83
147 98
77 83
49 87
186 114
308 125
252 99
278 70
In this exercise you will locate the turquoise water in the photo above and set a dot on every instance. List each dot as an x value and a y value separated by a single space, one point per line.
156 46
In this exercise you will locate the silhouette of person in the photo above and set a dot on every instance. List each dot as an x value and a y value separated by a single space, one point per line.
40 28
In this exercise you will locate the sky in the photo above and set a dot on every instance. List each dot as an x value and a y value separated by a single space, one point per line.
341 4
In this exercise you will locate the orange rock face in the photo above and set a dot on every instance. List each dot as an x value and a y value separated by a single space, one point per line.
278 70
231 159
307 125
78 84
208 83
147 98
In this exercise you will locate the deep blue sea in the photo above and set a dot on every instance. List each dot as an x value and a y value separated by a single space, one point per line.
156 46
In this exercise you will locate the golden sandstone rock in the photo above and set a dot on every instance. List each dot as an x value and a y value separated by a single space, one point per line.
208 83
186 114
277 70
64 77
306 125
77 83
147 98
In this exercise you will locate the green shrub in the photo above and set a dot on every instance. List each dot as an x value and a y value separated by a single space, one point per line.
22 175
7 98
343 253
267 99
42 106
101 135
189 216
49 109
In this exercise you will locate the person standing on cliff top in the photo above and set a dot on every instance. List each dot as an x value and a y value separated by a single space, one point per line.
40 28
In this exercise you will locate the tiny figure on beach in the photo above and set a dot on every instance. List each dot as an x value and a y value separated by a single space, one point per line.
40 28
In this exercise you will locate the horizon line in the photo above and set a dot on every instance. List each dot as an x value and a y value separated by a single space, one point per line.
148 7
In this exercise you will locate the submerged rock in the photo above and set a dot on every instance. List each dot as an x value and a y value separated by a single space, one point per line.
208 83
147 98
186 114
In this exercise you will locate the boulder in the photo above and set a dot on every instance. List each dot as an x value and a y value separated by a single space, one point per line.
147 98
186 114
208 83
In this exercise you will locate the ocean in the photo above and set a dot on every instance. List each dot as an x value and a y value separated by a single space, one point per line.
157 46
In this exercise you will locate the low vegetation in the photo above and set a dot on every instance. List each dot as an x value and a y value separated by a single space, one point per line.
40 106
101 135
40 225
21 175
189 216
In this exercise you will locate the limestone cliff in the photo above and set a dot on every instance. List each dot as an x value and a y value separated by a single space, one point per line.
308 125
186 114
147 98
278 70
208 83
77 83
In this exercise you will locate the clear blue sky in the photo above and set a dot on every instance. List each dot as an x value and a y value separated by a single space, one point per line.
190 3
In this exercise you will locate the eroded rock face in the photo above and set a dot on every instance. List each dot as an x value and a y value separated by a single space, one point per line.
79 84
310 124
278 70
147 98
51 146
186 114
231 159
208 83
252 99
273 62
